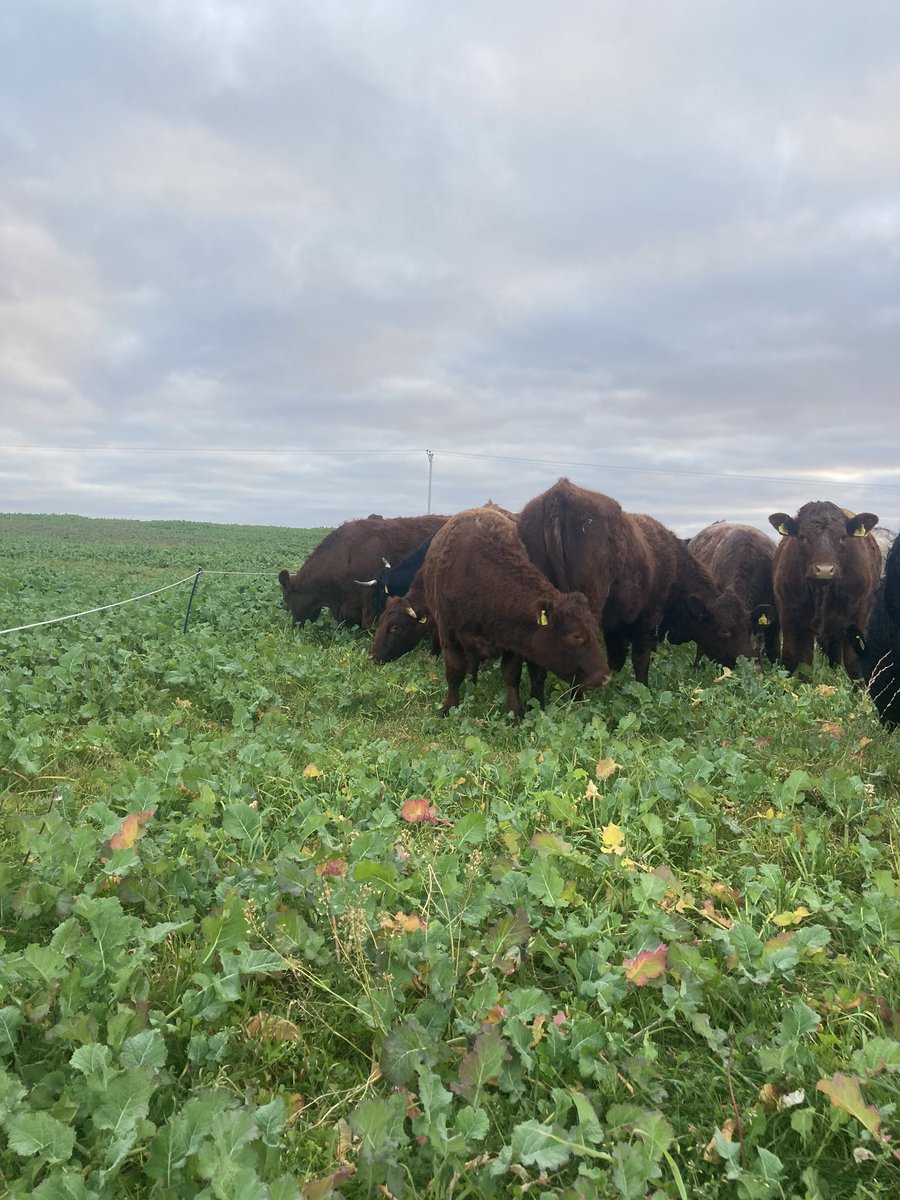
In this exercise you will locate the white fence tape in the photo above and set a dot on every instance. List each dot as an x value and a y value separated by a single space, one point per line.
102 607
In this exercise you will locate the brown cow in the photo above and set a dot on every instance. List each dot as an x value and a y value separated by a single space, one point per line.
486 598
404 622
699 610
826 572
353 551
739 558
631 568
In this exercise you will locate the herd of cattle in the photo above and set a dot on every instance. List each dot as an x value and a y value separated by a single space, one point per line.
572 582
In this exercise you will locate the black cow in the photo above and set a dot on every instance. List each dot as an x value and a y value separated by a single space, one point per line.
395 581
879 647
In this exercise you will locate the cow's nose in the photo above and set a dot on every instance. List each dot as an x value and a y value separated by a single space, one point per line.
823 571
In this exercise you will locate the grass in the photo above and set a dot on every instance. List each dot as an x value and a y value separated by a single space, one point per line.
641 945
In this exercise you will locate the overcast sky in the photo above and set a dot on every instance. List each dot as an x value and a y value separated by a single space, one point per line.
273 250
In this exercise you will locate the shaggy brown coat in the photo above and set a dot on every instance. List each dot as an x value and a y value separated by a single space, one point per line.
355 550
633 571
739 558
825 573
487 598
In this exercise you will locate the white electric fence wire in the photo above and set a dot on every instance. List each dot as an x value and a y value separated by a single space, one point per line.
103 607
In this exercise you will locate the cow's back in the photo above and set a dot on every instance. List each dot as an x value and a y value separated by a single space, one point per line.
575 537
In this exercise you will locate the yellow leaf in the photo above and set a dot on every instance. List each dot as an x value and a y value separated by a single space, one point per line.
591 792
311 771
613 839
791 918
606 767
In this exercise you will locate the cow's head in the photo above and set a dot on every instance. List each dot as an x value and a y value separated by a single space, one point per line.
821 531
297 599
567 638
722 627
400 628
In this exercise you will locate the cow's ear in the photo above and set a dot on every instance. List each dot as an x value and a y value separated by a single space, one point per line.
284 578
784 524
860 525
763 615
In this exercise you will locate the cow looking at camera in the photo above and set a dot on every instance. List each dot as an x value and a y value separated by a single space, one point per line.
825 573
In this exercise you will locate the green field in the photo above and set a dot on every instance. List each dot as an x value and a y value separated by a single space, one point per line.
642 946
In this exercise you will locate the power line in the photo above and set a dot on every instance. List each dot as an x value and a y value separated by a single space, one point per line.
540 462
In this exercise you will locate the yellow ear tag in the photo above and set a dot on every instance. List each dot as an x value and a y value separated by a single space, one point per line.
763 620
542 619
783 529
861 532
422 620
860 642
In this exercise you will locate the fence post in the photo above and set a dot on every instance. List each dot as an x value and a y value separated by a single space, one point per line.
187 615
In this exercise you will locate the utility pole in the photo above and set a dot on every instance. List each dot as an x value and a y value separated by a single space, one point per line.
430 454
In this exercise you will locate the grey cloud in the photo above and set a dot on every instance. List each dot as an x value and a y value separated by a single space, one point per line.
640 242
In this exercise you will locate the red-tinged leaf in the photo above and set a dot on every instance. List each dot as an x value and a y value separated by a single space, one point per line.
560 1018
481 1066
844 1092
505 941
495 1015
647 967
332 867
130 830
419 811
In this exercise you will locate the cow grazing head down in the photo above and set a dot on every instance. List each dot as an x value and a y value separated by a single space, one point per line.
722 629
302 604
821 530
399 630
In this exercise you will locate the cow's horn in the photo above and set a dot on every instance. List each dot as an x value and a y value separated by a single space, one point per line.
366 582
411 612
387 565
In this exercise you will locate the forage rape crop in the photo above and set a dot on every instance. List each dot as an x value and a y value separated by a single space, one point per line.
273 928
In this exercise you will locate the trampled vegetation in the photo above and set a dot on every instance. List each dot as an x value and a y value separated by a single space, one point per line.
273 928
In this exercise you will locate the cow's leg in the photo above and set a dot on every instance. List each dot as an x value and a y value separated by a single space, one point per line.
511 674
455 670
851 658
537 676
796 647
644 643
616 649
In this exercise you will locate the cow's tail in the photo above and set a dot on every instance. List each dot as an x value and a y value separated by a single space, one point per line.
557 539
